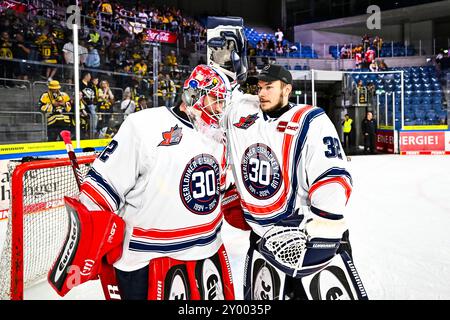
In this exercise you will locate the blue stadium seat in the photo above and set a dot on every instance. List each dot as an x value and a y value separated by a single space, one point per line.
426 100
430 118
436 100
442 116
418 86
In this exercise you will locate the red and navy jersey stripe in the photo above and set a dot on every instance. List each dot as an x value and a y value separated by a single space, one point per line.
297 153
333 175
100 191
173 240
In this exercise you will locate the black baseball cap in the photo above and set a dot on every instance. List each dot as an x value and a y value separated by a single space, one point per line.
274 72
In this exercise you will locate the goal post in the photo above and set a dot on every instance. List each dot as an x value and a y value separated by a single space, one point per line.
38 222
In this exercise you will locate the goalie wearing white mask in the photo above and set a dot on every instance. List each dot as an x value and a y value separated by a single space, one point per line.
162 175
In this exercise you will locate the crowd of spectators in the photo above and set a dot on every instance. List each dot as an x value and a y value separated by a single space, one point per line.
114 51
105 42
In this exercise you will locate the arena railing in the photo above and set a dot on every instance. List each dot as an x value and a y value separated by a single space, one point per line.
22 126
330 50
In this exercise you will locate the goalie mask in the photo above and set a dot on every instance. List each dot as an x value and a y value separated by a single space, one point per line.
206 93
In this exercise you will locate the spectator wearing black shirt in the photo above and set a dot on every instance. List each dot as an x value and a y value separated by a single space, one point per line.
21 50
369 127
6 53
88 91
5 24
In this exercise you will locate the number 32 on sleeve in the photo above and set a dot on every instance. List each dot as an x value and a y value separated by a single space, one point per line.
334 147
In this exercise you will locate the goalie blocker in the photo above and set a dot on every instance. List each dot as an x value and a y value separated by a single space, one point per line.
94 240
94 243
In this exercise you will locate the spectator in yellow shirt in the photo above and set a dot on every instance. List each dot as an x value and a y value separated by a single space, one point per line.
347 128
171 61
56 104
140 68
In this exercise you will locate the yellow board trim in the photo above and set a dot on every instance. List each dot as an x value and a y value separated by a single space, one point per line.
415 128
437 127
49 146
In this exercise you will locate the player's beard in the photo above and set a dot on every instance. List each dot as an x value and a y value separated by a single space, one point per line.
277 106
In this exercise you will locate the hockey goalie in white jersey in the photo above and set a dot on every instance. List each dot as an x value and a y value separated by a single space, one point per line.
162 175
292 186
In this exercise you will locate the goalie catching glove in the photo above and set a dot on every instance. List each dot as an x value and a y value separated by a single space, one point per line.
299 246
93 235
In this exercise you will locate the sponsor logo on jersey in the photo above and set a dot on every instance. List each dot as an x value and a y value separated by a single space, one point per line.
261 171
178 287
288 127
199 185
246 122
172 137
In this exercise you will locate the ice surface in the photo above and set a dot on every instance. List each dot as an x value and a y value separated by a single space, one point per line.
399 220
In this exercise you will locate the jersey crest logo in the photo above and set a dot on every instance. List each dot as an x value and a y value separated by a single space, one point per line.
172 137
246 122
261 171
290 128
200 184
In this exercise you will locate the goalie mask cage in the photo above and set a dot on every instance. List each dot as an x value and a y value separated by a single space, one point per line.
38 222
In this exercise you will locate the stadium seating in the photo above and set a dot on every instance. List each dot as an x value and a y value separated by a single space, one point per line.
396 49
423 98
303 51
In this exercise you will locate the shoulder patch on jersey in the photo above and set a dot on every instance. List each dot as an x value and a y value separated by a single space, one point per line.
246 122
172 137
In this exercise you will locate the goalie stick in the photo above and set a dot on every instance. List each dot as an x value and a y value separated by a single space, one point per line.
107 275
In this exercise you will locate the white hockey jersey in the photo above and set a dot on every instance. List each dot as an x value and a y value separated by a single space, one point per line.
162 177
294 162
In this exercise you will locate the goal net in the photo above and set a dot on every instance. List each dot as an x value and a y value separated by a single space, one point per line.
38 222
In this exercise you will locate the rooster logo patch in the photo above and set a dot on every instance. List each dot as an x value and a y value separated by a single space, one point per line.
172 137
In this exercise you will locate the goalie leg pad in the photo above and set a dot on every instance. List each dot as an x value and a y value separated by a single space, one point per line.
206 279
338 281
92 236
262 281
